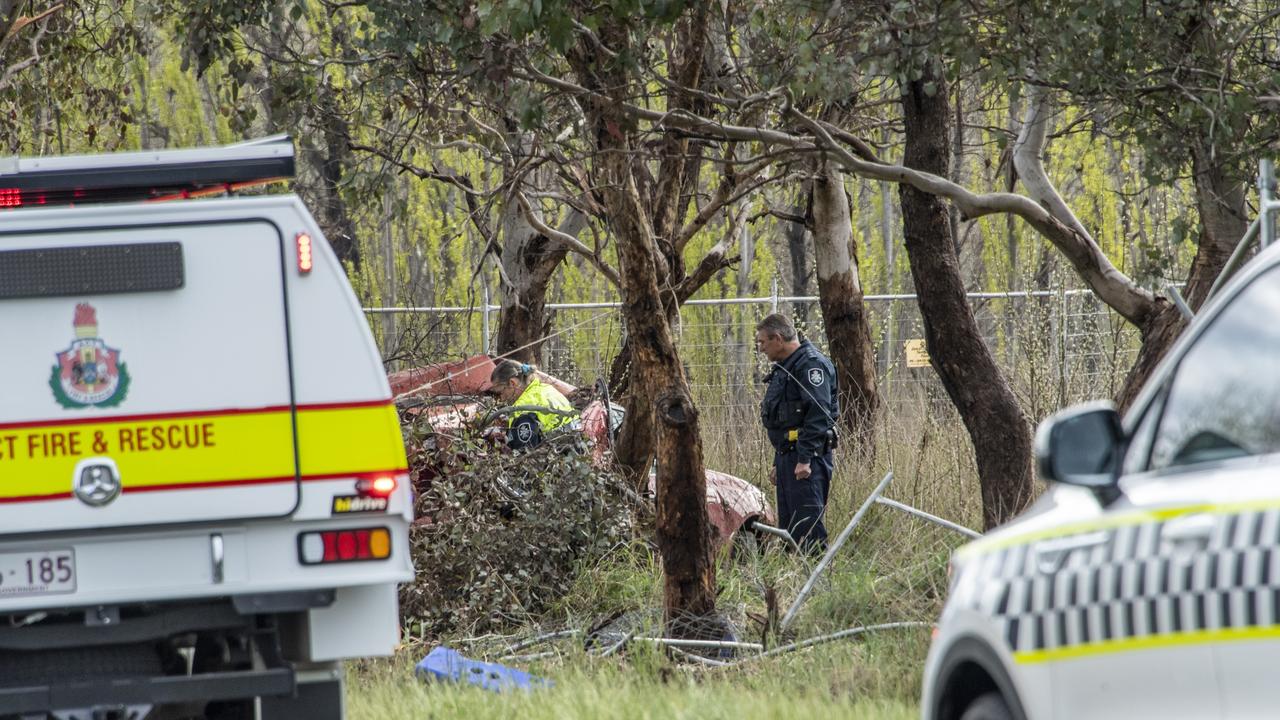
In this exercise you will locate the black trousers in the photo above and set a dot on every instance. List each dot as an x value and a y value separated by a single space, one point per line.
803 503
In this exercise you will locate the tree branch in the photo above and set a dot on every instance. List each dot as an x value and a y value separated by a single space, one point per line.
729 192
565 239
14 26
715 260
1114 287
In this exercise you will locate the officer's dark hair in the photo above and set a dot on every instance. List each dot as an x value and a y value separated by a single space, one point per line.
504 370
779 325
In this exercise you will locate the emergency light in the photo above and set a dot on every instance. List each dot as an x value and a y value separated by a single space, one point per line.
304 253
376 487
150 175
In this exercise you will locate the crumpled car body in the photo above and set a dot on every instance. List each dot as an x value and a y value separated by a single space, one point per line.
447 396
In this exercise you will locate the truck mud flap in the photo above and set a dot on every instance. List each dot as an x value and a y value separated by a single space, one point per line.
149 691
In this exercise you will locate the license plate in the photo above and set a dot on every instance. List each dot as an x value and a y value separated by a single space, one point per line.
37 573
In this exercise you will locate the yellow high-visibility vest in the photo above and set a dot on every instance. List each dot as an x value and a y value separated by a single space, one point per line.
539 393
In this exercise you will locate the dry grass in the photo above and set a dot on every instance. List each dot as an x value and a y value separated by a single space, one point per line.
893 569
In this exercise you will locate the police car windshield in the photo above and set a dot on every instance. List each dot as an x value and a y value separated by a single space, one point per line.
1224 400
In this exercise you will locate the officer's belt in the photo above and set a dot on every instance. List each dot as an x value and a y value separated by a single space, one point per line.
793 437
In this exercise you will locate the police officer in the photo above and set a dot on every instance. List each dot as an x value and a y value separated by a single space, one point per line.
799 412
517 384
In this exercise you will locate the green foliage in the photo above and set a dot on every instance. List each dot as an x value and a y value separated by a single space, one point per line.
210 29
1174 74
505 532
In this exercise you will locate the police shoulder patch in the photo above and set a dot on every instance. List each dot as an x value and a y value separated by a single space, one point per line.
816 378
524 431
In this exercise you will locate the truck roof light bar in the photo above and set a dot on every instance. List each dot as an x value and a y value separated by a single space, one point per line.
150 175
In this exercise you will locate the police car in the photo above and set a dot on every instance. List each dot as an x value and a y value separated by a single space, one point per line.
204 500
1146 581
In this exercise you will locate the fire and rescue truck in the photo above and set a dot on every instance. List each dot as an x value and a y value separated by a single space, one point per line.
204 504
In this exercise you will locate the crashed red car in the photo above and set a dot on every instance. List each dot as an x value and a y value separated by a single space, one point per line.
450 393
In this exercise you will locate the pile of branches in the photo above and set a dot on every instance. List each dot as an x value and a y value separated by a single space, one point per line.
500 535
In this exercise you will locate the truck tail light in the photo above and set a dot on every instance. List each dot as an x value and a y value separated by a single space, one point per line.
327 547
304 253
376 487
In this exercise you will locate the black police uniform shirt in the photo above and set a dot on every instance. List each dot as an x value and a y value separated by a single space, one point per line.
801 395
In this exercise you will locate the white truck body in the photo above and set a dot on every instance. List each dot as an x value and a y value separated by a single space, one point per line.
188 441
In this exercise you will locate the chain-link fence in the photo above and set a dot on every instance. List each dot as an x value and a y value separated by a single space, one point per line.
1056 347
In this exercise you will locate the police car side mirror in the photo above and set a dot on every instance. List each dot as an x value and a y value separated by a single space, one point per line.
1083 446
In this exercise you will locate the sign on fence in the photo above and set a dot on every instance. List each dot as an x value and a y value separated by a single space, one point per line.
917 356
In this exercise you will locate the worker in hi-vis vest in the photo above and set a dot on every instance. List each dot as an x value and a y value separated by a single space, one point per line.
539 408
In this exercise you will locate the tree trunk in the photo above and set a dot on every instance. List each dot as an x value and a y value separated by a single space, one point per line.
660 402
339 228
1224 220
796 236
660 392
844 317
523 320
529 260
1000 433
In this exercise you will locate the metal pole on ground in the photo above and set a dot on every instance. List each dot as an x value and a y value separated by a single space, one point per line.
834 636
931 518
774 531
831 552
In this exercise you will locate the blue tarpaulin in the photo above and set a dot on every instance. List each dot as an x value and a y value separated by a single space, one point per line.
449 665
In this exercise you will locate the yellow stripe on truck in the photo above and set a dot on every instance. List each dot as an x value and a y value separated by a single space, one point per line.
343 440
186 450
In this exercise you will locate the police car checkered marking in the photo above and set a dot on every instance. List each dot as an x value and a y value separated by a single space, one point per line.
1134 588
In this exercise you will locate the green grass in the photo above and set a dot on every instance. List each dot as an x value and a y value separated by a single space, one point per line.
827 682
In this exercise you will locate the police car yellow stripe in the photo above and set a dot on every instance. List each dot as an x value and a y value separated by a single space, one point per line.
1106 522
189 450
1150 642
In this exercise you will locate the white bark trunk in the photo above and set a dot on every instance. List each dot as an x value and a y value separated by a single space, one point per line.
831 245
1114 287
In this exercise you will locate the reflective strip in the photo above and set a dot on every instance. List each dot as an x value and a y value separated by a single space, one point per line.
1151 642
187 450
1106 522
342 441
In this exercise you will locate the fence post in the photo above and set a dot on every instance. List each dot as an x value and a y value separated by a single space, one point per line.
1062 353
484 324
774 294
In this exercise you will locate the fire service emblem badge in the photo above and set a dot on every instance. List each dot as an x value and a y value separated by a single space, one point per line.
89 374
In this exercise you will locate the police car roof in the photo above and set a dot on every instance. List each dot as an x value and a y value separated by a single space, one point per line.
156 174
